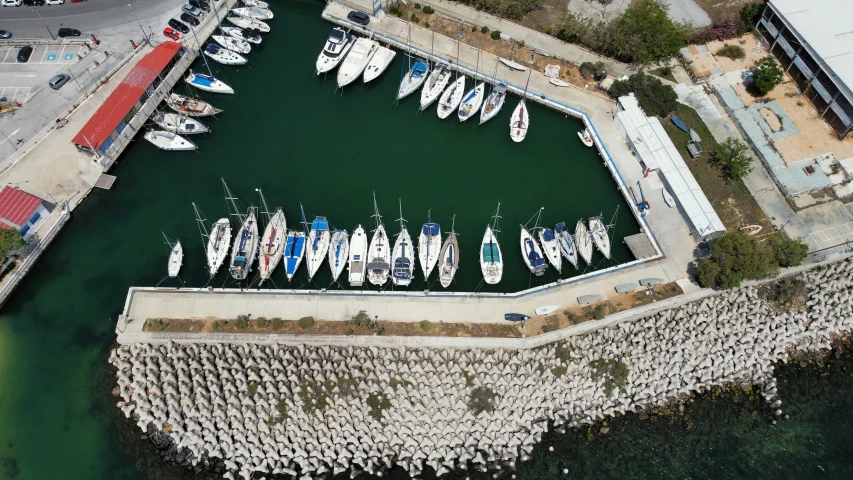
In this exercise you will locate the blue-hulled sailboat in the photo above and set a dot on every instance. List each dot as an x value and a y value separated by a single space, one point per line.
294 249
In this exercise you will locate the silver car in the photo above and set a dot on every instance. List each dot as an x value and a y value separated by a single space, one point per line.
58 81
191 10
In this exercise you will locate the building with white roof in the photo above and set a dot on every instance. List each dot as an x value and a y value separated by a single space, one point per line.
813 40
655 151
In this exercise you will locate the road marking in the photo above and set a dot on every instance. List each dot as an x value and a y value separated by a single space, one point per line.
8 50
10 135
28 76
19 91
42 55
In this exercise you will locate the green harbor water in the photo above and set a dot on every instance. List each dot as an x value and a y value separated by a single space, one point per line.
301 141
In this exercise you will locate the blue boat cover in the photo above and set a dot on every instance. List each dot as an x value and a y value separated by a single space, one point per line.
211 48
678 123
548 234
532 256
203 80
431 229
319 223
561 227
418 69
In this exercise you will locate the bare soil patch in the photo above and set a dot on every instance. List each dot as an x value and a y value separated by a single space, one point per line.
752 48
722 9
772 119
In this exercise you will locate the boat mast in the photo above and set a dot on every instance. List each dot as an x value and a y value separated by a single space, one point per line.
166 238
231 202
524 95
458 70
495 218
266 210
401 219
304 222
494 78
205 237
376 213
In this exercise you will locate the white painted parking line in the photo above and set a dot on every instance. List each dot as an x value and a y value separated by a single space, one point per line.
14 94
8 50
42 55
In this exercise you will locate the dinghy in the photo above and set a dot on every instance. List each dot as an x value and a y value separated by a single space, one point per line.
429 246
272 245
472 102
380 61
491 261
557 82
168 140
245 248
317 245
403 256
493 104
379 252
551 247
255 13
256 3
248 23
750 229
583 242
250 35
435 84
519 122
207 83
190 107
532 253
176 259
451 98
175 123
512 65
356 61
337 46
667 198
413 79
449 258
223 55
546 309
585 137
567 244
357 257
217 245
338 252
599 236
232 43
515 317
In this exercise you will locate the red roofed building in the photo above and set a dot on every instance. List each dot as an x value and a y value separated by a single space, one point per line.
105 125
21 211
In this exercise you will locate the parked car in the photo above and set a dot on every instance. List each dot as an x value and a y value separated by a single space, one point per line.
178 26
33 3
171 33
186 17
68 32
200 4
358 17
24 54
11 3
58 81
4 34
55 2
191 10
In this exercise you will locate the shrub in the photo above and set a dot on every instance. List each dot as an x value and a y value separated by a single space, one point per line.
589 69
305 322
482 400
727 29
426 24
252 389
262 322
276 323
549 31
11 243
599 312
574 319
559 371
394 9
654 97
473 28
361 318
281 406
734 52
736 257
414 18
732 159
614 373
417 6
484 29
428 10
750 14
788 252
787 292
241 323
766 74
378 403
701 36
426 325
496 35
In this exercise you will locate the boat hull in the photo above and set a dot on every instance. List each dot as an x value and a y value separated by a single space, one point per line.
599 236
190 107
255 13
232 43
551 248
356 61
357 257
531 252
492 106
429 246
294 252
378 64
519 123
245 248
403 260
378 258
472 102
237 32
272 245
168 141
413 80
512 65
175 123
251 23
218 243
449 260
208 83
491 260
435 85
338 253
317 246
583 242
176 259
451 98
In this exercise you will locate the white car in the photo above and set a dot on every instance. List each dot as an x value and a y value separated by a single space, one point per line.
55 2
12 3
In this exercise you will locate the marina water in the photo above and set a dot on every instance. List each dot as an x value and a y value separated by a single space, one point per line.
301 141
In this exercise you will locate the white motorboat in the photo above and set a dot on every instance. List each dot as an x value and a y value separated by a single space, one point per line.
557 82
357 257
451 98
232 43
471 102
223 55
491 260
448 259
413 79
207 83
190 107
337 46
435 84
255 13
585 137
248 23
599 236
379 252
403 256
245 248
217 245
567 244
429 246
356 61
551 248
168 141
176 259
176 123
532 253
317 245
256 3
380 61
249 35
493 104
512 65
272 245
583 242
338 252
519 122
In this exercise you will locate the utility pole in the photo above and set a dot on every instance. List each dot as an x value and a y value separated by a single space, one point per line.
147 39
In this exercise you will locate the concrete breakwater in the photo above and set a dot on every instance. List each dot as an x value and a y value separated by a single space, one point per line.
310 410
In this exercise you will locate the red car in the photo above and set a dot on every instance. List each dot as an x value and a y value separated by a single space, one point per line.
171 33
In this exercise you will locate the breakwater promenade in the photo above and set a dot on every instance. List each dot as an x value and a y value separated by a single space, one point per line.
307 410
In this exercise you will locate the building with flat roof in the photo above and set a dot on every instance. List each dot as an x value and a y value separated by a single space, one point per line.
813 40
21 211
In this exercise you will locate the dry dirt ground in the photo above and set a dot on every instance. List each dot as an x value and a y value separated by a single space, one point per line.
752 48
722 9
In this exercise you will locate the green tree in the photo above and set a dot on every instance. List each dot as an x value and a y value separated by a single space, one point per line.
644 33
11 243
788 252
736 257
654 97
750 14
732 158
766 74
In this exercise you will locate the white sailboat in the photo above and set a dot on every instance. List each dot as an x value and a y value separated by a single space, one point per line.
248 23
494 102
256 3
317 245
472 100
583 242
272 241
255 13
356 61
512 65
336 48
403 256
294 248
491 260
207 83
435 85
451 98
223 55
245 247
176 123
551 247
168 140
357 257
379 63
176 257
379 252
232 43
245 34
520 120
449 257
217 242
429 246
415 77
531 252
599 236
191 107
338 252
567 244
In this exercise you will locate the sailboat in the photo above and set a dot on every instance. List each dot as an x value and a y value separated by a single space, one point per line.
249 23
429 246
176 123
520 120
245 247
531 251
551 247
338 252
495 101
168 141
380 61
450 99
415 77
356 61
256 3
583 242
232 43
318 245
218 241
294 248
191 107
567 244
255 13
272 241
207 83
379 253
223 55
403 256
176 257
472 101
357 257
251 35
599 236
435 85
449 257
336 48
491 261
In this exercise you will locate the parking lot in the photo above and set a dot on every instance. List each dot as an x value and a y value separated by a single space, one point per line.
14 94
46 54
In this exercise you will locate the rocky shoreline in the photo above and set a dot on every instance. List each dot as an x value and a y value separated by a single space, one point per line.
312 410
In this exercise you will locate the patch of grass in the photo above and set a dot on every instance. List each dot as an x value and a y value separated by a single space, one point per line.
276 323
394 9
559 371
252 389
241 322
394 383
613 372
734 52
156 324
262 322
482 400
664 72
563 352
348 386
469 379
305 322
378 403
787 294
428 10
281 406
360 318
414 18
426 325
599 312
313 397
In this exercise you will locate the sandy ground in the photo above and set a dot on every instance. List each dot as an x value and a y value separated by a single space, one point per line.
751 47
